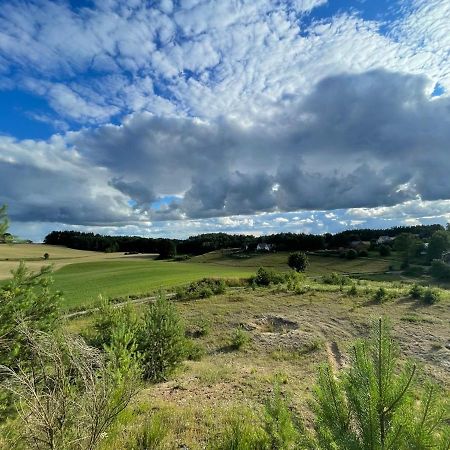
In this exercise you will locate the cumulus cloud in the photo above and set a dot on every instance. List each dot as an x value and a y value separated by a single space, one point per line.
357 141
227 109
205 58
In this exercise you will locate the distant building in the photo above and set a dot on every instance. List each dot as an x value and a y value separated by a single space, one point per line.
263 247
384 240
360 245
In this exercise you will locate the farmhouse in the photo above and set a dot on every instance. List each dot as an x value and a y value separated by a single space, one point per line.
263 247
384 240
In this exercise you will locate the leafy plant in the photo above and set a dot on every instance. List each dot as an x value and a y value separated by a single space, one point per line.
283 429
161 340
239 338
431 296
380 295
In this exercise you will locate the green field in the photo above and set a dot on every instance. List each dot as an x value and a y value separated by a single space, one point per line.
82 276
82 283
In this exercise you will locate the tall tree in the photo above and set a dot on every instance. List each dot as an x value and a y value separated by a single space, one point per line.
439 243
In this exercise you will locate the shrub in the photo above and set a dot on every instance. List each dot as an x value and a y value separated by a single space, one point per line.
203 288
384 250
336 278
107 319
242 432
150 435
282 427
416 291
414 271
239 338
351 254
440 270
71 397
161 340
194 351
380 295
265 277
298 261
431 296
363 253
353 291
28 299
375 405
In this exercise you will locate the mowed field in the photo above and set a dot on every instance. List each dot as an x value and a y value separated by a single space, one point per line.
83 275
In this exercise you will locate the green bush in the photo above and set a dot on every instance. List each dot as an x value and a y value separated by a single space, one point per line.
351 254
242 432
107 319
353 291
416 291
384 250
239 338
283 428
194 351
151 435
414 271
298 261
440 270
265 277
26 299
203 288
363 253
431 296
336 279
380 295
161 340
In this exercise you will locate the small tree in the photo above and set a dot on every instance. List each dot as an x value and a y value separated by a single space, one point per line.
408 245
46 256
298 261
372 406
27 298
161 340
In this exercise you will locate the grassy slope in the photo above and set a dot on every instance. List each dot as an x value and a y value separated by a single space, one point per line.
83 275
82 283
32 254
194 404
318 264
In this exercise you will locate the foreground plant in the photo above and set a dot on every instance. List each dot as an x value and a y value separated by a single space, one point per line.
68 396
161 340
376 404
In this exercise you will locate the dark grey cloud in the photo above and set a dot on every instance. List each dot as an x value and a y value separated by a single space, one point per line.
367 140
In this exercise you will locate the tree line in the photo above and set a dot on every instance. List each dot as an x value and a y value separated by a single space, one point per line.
204 243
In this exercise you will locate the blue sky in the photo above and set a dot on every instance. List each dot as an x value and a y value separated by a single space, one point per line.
172 118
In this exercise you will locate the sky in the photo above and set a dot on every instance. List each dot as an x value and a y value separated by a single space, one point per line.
178 117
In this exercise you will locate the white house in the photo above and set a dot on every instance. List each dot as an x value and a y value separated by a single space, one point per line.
384 240
263 247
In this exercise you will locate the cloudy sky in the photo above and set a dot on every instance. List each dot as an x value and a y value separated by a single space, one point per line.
171 118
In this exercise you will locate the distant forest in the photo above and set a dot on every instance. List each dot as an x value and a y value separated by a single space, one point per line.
203 243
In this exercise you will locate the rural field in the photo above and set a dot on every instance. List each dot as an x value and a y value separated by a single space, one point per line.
289 336
84 275
248 342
